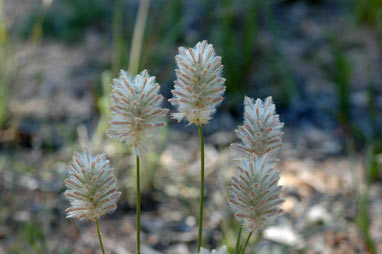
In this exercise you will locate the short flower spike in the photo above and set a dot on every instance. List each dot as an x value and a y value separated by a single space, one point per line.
91 187
255 193
199 87
261 130
136 110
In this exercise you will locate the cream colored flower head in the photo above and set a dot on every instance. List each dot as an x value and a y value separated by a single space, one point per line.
261 131
255 193
199 87
221 250
136 110
91 187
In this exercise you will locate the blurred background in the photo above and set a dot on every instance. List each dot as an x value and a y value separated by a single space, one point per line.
320 60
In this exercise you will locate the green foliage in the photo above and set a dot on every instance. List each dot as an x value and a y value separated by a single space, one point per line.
278 63
4 96
375 139
67 19
4 70
251 29
119 40
339 73
33 235
30 239
369 11
163 36
364 222
231 50
3 28
374 161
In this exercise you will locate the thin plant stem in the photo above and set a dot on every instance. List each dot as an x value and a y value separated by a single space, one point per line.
138 207
246 242
200 237
238 241
99 237
139 29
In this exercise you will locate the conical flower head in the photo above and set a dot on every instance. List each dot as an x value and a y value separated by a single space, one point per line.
136 110
91 187
261 131
221 250
255 193
199 87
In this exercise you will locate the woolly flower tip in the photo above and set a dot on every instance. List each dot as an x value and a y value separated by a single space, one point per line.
255 193
91 187
199 87
261 131
136 111
222 250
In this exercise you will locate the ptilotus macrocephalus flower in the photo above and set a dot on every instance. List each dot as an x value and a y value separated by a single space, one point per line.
199 87
261 130
136 110
91 187
255 193
221 250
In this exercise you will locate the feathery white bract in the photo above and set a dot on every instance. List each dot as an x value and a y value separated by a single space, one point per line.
221 250
91 187
261 131
136 109
199 87
255 193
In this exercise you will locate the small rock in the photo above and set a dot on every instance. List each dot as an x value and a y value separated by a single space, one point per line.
318 214
180 248
284 234
147 250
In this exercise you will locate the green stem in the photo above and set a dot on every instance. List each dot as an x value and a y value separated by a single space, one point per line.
99 237
246 242
201 187
238 241
138 208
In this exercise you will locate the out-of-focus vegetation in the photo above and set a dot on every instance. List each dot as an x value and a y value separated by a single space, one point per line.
308 54
4 82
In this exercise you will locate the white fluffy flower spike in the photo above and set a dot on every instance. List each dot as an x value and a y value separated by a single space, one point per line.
199 87
135 109
255 193
261 131
221 250
91 187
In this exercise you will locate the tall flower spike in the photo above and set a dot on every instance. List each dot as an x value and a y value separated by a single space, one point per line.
135 109
261 131
199 87
221 250
91 187
255 193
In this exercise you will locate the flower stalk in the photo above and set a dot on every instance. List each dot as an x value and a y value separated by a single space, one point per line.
138 206
237 248
198 90
201 208
135 115
99 237
246 242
